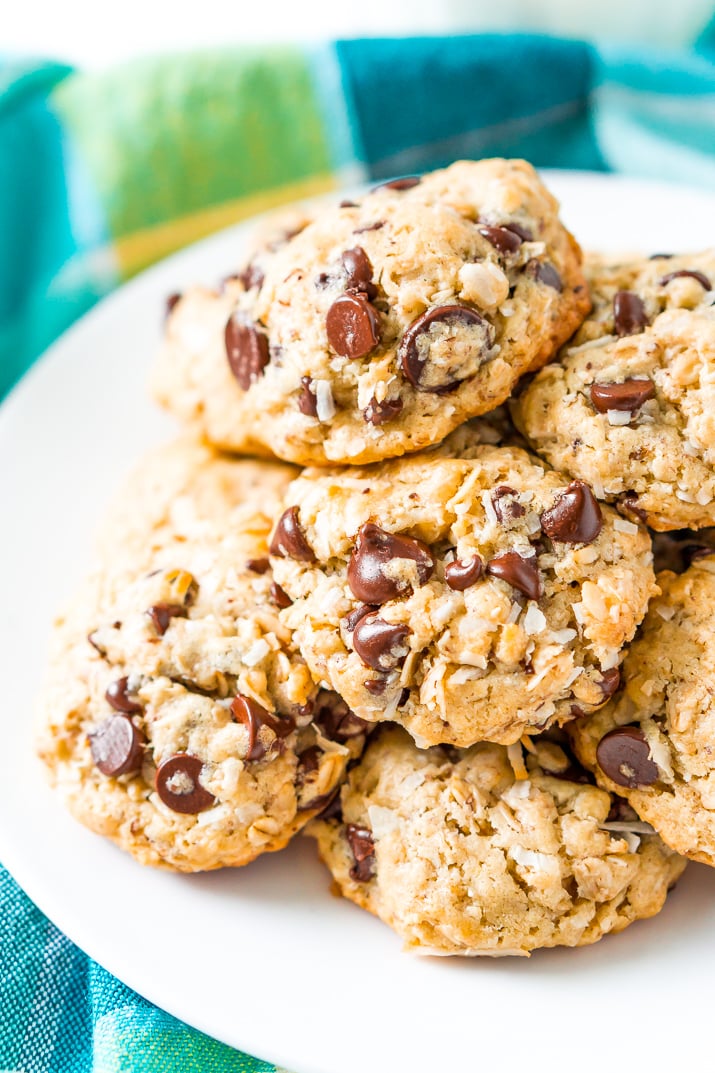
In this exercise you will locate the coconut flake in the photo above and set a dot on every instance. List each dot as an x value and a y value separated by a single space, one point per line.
591 344
489 508
383 821
324 402
534 620
619 417
622 525
529 858
665 611
564 637
638 826
516 759
514 613
257 652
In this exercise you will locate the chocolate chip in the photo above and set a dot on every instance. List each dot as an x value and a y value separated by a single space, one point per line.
251 276
246 350
280 596
345 204
376 686
352 326
358 269
171 301
624 756
629 315
379 644
522 574
427 355
177 784
405 183
289 541
462 573
307 402
609 682
117 746
575 517
661 256
404 696
506 506
119 698
308 761
629 503
253 716
335 720
257 566
377 413
375 552
352 619
523 232
628 395
544 272
376 226
362 848
334 808
162 614
692 273
502 238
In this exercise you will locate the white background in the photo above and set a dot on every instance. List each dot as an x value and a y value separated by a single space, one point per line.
95 34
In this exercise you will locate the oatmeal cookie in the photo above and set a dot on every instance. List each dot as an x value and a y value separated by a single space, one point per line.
655 742
381 325
630 405
468 593
179 719
462 853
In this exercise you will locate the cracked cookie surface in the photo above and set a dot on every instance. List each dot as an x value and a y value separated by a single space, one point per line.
655 742
381 325
630 404
468 598
179 719
459 856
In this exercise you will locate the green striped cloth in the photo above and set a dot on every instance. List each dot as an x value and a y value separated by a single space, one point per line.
102 174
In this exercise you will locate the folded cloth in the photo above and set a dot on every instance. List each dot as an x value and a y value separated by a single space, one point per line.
101 174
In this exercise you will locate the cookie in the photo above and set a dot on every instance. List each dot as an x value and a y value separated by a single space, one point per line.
179 720
630 405
468 598
655 742
462 853
381 325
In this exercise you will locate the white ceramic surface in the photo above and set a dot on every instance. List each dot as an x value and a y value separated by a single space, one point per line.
265 958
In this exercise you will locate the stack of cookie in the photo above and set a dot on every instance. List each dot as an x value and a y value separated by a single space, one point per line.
416 648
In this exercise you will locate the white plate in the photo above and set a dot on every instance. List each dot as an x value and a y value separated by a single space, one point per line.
264 958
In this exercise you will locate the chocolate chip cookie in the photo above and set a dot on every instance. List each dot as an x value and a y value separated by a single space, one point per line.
630 405
655 742
485 851
179 719
468 598
381 325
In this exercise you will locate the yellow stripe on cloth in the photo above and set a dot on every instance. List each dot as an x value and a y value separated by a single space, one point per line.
141 249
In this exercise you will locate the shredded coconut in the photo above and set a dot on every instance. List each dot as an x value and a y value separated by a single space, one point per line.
516 759
619 417
622 525
534 619
324 402
382 820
